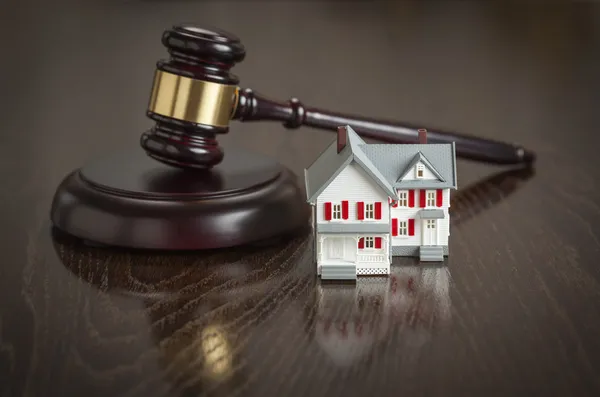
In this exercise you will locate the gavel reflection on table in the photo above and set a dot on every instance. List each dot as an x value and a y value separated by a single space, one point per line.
184 192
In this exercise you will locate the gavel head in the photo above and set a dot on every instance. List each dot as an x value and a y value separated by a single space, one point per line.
193 98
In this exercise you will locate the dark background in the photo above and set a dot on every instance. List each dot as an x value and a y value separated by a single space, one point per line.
515 310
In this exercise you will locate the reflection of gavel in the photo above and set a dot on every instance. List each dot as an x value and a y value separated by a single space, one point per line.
194 96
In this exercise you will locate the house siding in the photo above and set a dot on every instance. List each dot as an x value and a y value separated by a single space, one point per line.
354 185
404 213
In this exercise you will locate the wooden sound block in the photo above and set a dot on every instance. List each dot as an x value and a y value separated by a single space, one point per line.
130 200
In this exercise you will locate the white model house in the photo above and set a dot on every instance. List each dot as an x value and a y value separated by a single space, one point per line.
374 201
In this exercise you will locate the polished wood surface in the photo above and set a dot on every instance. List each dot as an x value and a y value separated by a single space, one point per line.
515 311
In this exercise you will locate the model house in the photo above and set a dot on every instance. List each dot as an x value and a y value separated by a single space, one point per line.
375 201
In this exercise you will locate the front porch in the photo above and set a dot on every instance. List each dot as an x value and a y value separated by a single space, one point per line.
345 256
349 271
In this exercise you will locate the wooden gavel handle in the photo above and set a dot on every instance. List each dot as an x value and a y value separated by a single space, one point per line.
253 107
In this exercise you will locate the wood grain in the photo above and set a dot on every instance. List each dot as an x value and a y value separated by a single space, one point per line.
514 311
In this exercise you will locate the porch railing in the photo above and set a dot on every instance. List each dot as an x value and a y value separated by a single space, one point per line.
371 258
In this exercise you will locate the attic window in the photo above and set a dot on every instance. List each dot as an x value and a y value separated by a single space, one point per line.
419 170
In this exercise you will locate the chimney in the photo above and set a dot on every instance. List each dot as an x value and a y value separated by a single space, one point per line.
422 136
342 137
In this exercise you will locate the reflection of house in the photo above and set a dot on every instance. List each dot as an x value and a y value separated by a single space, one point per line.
375 201
352 319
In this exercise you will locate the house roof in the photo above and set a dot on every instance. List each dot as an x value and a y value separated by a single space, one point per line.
385 163
330 163
395 160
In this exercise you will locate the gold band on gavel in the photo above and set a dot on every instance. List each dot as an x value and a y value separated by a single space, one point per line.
196 101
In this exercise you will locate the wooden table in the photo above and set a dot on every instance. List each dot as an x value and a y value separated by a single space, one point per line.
514 311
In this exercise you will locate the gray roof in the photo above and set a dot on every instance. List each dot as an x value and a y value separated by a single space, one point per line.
395 160
385 163
330 163
431 214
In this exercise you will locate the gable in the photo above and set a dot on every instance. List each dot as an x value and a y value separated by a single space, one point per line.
411 174
330 163
420 169
353 184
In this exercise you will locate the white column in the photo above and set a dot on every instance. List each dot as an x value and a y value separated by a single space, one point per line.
321 248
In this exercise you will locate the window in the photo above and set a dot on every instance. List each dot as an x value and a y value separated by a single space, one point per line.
403 228
431 224
336 212
370 211
369 242
420 171
431 199
403 199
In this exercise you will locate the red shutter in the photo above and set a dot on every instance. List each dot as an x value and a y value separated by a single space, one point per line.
394 226
344 209
439 197
377 242
411 227
360 210
411 198
378 210
395 203
422 198
327 214
361 243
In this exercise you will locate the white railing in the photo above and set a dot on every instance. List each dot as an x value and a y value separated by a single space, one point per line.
372 258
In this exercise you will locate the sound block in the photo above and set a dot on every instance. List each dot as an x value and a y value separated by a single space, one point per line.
130 200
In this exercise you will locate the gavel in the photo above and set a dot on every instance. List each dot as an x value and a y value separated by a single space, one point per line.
195 96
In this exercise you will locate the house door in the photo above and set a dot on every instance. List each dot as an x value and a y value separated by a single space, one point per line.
430 232
336 248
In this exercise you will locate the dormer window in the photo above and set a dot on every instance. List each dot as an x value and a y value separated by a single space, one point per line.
419 171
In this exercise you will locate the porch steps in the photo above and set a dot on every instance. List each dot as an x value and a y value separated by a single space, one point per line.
434 253
338 272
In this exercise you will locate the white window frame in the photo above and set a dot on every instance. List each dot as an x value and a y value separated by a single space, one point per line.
403 228
369 241
336 211
419 169
402 198
430 223
369 210
430 202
